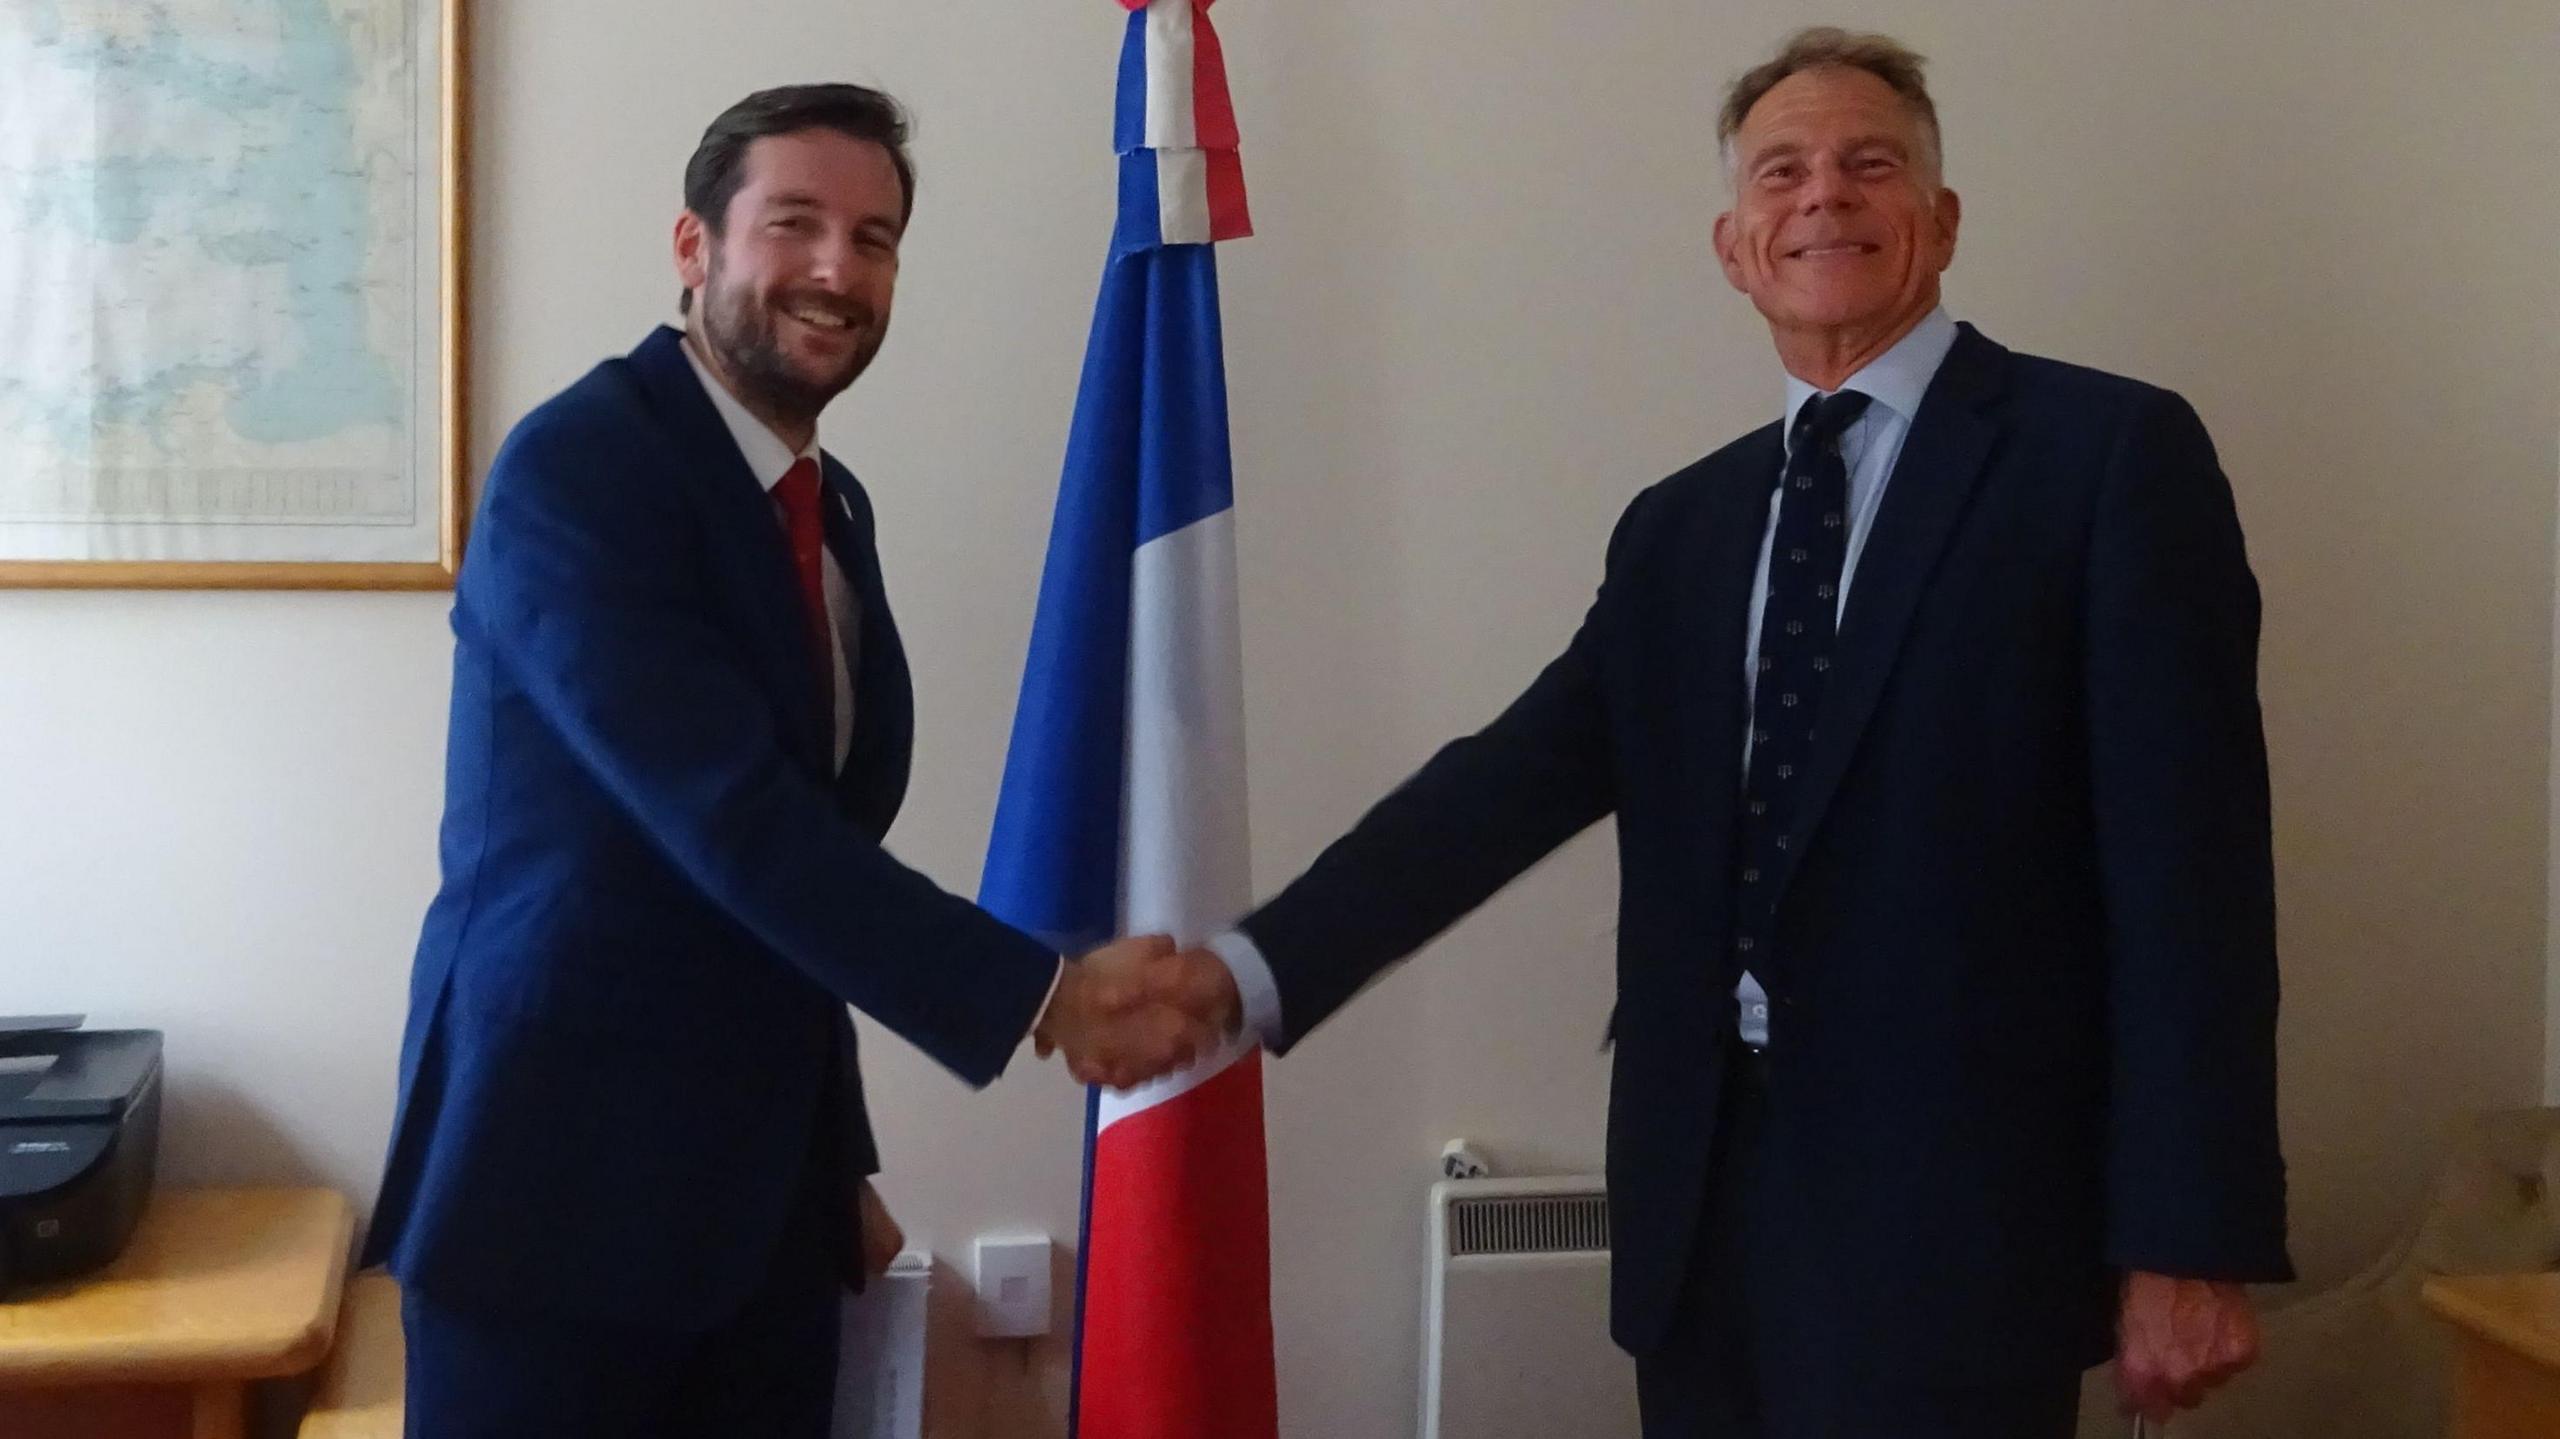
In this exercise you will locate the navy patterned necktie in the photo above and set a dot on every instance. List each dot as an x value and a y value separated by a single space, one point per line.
1797 624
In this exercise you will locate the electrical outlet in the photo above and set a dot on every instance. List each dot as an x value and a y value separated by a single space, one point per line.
1013 1285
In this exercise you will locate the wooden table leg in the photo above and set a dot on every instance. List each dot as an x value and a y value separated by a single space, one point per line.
2499 1395
221 1412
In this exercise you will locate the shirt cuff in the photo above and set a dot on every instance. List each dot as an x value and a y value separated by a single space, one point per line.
1257 991
1057 977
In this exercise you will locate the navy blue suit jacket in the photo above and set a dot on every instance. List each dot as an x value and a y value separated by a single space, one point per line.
2024 994
627 1054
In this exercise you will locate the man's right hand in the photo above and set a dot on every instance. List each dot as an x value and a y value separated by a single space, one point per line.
1108 1021
1198 983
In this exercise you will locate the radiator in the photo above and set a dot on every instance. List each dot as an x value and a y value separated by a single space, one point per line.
880 1369
1515 1314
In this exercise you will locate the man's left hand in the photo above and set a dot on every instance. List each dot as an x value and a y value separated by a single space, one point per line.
2179 1339
882 1239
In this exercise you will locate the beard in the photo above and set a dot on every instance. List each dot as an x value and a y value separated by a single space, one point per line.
742 331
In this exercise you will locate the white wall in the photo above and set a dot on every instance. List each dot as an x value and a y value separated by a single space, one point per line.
1480 315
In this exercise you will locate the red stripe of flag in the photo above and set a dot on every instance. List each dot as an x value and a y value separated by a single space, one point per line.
1213 108
1177 1279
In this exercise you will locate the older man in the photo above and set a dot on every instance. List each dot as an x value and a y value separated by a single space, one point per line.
1928 714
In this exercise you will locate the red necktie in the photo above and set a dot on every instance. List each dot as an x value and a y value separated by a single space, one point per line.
797 493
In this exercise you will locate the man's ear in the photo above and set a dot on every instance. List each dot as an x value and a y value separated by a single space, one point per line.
693 251
1949 214
1727 237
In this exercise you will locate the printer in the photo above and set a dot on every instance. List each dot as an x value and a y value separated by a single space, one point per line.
79 1135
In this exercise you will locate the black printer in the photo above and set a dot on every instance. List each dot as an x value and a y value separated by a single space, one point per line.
79 1135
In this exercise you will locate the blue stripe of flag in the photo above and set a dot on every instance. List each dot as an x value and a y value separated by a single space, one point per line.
1141 223
1129 114
1147 455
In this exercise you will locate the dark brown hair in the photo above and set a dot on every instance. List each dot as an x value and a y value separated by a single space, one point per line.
718 169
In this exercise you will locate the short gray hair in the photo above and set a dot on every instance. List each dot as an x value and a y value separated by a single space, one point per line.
1827 47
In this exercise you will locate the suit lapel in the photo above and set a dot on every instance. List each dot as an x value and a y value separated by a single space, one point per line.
1940 465
746 542
874 780
1716 559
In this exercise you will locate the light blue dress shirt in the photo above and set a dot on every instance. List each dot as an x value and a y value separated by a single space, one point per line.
1895 382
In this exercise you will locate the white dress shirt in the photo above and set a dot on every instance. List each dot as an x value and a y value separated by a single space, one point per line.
769 459
1894 382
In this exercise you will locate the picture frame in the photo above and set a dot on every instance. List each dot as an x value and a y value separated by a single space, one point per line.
271 215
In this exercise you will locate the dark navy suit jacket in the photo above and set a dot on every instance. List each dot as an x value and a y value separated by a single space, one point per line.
2024 995
627 1056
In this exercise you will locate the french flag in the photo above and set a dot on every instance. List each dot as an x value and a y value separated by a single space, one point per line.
1123 804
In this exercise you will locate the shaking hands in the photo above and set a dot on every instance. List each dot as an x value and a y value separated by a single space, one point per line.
1136 1009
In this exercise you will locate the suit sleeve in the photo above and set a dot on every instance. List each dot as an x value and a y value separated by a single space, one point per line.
2178 772
582 582
1478 814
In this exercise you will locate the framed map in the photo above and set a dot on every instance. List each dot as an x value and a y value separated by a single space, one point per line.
230 286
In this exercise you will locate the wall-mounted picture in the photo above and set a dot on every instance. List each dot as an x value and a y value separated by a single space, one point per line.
230 291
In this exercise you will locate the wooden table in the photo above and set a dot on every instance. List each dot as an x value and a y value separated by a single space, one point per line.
2506 1373
360 1392
218 1287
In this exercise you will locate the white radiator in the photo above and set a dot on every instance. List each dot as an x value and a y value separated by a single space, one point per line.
880 1369
1515 1314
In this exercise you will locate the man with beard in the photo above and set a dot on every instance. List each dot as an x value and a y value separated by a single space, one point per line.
630 1169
